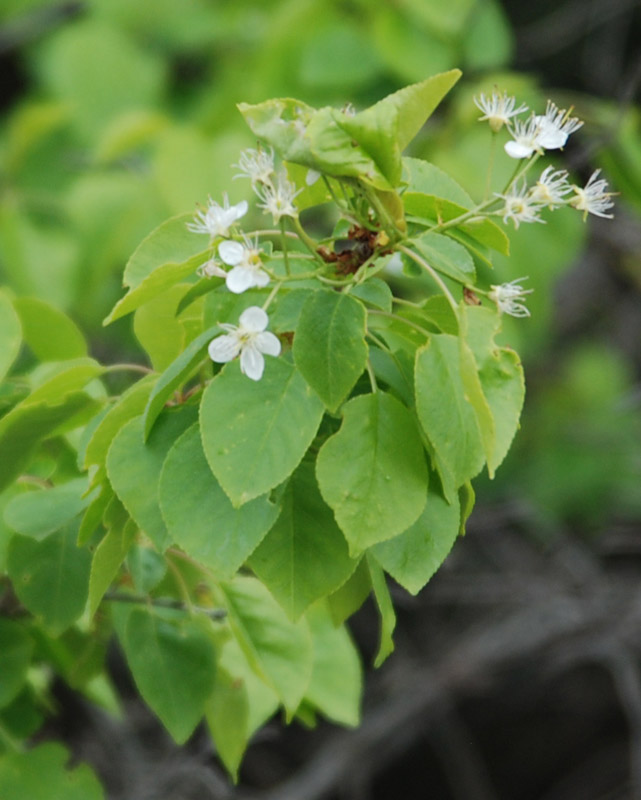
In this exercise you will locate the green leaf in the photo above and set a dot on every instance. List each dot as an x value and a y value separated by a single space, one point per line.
173 665
16 648
346 600
438 209
255 433
161 335
10 335
279 651
130 404
446 256
374 292
41 512
95 510
329 346
26 425
427 178
380 489
445 414
170 243
227 713
176 374
501 376
385 129
385 609
41 774
304 556
146 567
474 394
134 468
336 683
50 333
162 278
199 515
414 556
107 559
51 577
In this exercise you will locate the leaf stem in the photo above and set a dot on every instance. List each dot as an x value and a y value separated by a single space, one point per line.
129 368
283 247
433 274
372 377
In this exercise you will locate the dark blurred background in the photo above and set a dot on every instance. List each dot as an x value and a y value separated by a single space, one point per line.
517 670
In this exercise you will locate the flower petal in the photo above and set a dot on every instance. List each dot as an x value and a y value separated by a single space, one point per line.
254 319
267 343
231 252
224 348
261 278
517 150
239 279
252 362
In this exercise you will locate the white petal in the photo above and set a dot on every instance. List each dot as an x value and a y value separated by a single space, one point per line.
231 252
516 150
239 279
224 348
254 319
240 209
252 362
267 343
311 177
552 138
261 278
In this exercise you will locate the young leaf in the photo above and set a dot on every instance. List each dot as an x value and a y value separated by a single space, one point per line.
385 609
51 577
39 513
413 556
200 516
446 415
10 335
279 651
446 256
169 243
176 374
107 559
227 713
16 647
49 332
41 774
134 468
336 683
372 472
329 346
173 664
304 556
255 433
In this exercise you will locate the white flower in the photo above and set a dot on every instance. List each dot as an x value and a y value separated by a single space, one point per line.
498 109
593 198
217 220
311 177
278 200
555 127
211 269
250 339
520 207
526 138
258 165
551 188
246 263
506 296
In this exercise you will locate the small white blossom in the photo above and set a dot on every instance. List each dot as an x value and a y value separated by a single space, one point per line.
520 207
555 127
257 165
211 269
594 197
551 188
246 263
311 177
250 339
525 134
498 109
278 200
217 220
507 295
